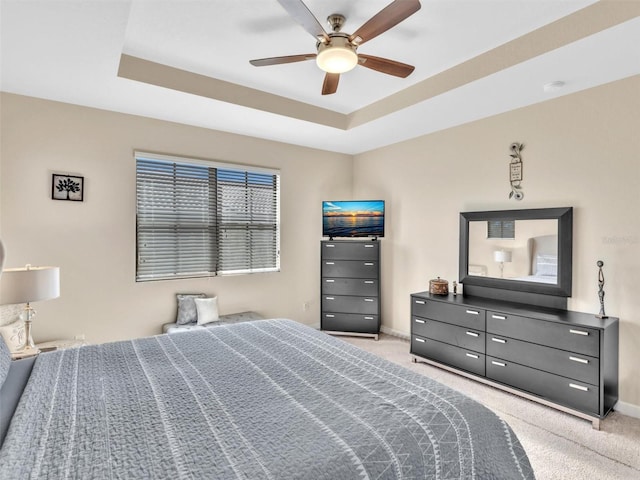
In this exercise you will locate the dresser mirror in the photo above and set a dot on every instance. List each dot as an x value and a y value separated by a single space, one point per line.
519 250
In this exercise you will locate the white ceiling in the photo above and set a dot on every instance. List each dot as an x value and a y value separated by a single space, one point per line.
70 51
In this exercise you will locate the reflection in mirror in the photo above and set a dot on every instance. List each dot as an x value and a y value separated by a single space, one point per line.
525 250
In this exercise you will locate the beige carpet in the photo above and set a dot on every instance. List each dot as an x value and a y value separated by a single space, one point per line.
560 446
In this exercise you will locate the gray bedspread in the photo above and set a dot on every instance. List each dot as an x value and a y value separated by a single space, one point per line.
269 399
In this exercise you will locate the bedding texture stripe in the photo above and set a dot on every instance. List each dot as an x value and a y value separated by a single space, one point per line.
269 399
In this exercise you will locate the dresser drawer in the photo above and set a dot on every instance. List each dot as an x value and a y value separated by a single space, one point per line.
350 304
349 322
564 336
560 362
349 269
571 393
464 359
350 251
350 286
460 315
451 334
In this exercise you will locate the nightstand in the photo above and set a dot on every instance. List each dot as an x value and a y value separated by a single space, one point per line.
61 344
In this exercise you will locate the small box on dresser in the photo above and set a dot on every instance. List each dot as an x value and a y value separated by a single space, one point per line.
350 287
561 358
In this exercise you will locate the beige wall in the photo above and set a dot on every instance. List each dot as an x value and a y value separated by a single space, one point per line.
581 150
94 241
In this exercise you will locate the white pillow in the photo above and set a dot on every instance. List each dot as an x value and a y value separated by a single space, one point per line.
207 309
13 335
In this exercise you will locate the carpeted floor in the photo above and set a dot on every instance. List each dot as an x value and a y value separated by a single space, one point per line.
560 446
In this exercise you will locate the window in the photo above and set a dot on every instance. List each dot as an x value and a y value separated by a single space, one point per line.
501 229
198 219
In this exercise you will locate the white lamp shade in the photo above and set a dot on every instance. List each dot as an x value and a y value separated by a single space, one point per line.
29 284
502 256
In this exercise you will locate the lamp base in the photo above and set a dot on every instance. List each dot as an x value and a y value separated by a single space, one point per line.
29 347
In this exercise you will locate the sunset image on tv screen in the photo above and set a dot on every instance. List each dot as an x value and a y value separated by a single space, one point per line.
353 218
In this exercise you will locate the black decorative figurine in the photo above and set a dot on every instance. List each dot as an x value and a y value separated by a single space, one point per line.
600 264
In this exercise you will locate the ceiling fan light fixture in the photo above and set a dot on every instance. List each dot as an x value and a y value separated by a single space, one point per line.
339 56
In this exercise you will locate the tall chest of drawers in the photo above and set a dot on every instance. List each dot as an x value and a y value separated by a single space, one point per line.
568 360
350 287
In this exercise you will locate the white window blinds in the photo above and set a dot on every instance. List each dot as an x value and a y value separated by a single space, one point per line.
198 220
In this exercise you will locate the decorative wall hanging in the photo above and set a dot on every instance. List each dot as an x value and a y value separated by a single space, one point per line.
515 171
600 264
67 187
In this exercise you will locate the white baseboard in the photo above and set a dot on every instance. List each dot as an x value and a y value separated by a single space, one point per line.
628 409
395 333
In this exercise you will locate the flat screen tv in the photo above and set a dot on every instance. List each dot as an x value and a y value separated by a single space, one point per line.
353 218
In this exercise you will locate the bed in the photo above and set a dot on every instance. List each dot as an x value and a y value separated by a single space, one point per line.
269 399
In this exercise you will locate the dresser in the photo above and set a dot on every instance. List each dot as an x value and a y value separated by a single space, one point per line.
564 359
350 287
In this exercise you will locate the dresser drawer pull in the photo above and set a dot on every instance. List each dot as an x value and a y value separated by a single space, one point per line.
471 355
368 299
419 340
329 298
328 315
329 246
368 318
369 281
498 364
329 263
579 360
418 320
579 332
330 281
473 312
368 246
420 302
369 264
473 334
499 317
498 340
579 387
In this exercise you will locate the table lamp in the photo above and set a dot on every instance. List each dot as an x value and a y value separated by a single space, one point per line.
26 285
502 257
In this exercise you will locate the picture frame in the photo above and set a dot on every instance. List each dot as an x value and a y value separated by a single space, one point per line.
67 187
515 171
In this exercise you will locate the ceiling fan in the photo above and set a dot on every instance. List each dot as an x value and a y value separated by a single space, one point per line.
336 51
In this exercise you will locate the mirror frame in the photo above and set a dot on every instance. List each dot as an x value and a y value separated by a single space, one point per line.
564 216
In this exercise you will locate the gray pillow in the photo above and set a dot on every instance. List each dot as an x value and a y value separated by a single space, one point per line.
5 361
187 312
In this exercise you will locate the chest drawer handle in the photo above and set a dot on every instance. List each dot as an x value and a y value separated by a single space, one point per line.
498 340
499 317
473 312
329 246
368 299
473 334
329 263
419 340
471 355
329 298
330 281
418 320
579 360
368 246
328 315
420 302
368 318
579 387
368 281
579 332
369 264
498 364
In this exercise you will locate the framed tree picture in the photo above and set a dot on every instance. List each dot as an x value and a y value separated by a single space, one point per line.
67 187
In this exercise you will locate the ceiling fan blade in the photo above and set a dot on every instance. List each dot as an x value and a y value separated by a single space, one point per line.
388 17
264 62
330 84
301 14
384 65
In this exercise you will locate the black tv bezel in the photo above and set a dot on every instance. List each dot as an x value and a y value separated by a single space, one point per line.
384 213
